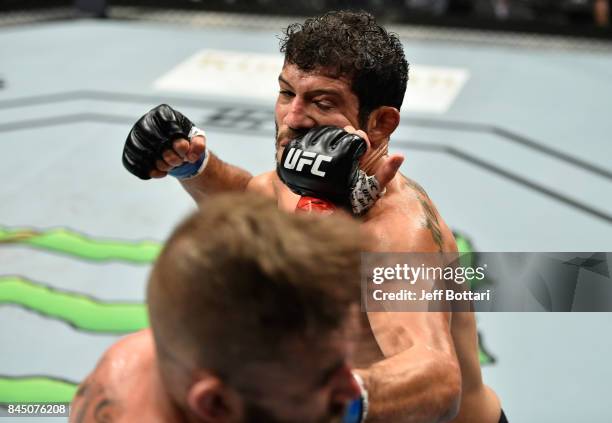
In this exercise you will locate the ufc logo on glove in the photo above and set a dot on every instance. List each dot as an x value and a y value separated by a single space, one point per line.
341 182
297 159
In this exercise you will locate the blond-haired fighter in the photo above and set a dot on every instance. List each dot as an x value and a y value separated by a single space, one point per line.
253 315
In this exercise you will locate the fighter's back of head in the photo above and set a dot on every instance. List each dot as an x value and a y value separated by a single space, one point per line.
239 281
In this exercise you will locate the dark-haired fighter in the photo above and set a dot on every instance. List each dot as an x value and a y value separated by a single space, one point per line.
344 70
253 313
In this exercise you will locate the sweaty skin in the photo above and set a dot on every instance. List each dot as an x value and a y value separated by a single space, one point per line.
414 344
124 387
417 367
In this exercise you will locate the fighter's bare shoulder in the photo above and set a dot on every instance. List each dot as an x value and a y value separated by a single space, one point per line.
108 392
407 220
263 184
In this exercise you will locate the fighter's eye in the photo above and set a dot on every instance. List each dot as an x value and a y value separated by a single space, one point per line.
286 93
324 105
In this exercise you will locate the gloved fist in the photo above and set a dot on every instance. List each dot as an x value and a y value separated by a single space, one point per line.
160 143
324 163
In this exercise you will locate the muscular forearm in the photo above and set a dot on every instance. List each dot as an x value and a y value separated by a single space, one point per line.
217 177
417 385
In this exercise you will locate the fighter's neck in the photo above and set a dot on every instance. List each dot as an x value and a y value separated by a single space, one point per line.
168 411
374 161
373 166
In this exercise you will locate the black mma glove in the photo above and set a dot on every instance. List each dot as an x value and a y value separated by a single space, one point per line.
324 163
154 133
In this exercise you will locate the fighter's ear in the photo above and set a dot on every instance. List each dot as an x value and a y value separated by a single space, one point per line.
381 124
213 402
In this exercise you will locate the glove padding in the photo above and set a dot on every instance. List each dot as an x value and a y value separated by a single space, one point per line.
324 163
150 136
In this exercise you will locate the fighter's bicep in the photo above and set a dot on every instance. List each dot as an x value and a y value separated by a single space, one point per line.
398 234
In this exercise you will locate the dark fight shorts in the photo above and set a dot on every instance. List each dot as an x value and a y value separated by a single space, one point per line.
502 418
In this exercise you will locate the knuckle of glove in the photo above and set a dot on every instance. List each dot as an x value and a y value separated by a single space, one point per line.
136 162
168 122
139 153
150 136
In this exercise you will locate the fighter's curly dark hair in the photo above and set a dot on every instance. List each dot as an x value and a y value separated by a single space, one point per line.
352 44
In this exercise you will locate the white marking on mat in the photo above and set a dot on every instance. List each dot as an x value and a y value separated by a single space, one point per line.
433 89
226 73
222 73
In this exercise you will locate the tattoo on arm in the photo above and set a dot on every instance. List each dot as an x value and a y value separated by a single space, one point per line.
432 223
82 407
414 185
430 219
104 411
94 395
